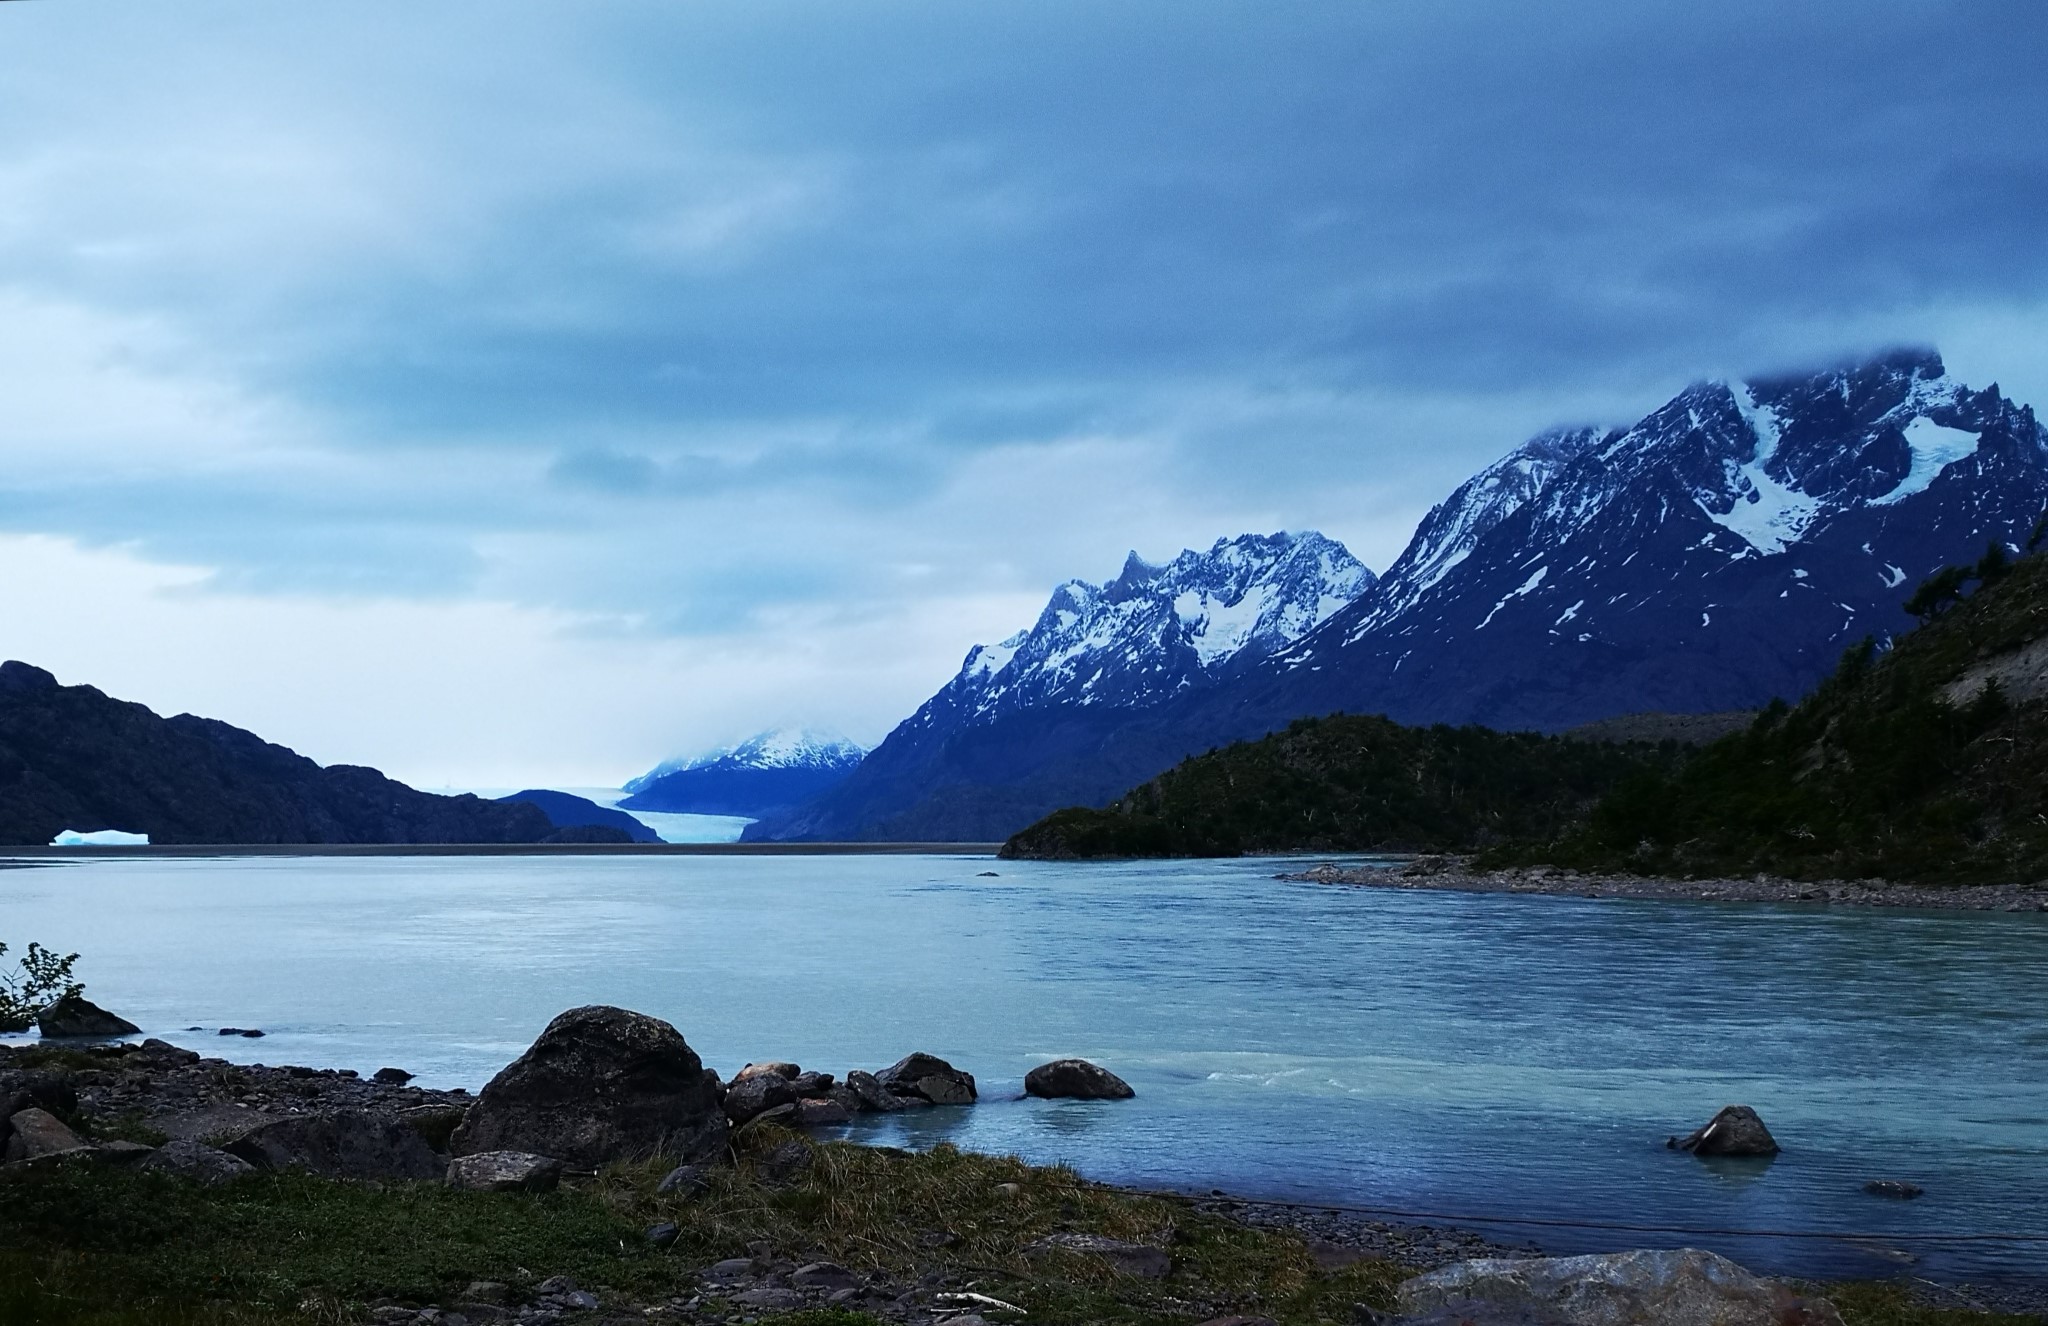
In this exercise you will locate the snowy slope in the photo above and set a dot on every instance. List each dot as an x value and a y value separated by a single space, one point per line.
767 772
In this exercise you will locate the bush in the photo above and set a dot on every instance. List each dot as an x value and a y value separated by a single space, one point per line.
43 979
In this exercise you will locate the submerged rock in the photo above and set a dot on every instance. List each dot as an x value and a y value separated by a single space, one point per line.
75 1015
1895 1188
1737 1130
929 1078
1671 1287
600 1084
1075 1079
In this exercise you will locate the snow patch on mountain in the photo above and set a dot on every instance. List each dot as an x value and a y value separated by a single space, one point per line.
1157 630
1935 448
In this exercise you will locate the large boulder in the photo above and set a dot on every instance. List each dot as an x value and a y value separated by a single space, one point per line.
927 1077
75 1015
34 1133
1736 1130
191 1160
1670 1287
346 1144
1075 1079
600 1084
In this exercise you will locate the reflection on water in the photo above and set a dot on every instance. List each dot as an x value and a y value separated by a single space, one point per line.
1468 1054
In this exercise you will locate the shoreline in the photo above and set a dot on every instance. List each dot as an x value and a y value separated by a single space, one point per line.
1456 875
39 855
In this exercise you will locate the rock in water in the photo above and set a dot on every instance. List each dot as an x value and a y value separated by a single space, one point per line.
1675 1287
201 1164
600 1084
1897 1188
1075 1079
35 1133
872 1095
75 1015
347 1144
927 1077
504 1171
1735 1131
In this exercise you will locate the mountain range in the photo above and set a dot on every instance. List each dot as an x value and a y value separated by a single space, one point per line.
1718 553
763 775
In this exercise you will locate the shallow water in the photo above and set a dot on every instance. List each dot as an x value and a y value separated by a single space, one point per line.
1476 1055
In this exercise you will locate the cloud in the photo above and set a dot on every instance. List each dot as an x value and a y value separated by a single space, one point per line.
676 324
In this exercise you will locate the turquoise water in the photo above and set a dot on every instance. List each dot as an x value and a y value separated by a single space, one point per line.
1470 1054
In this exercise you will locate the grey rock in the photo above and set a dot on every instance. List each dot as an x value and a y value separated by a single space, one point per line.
1474 1312
34 1133
1240 1321
1139 1259
783 1115
664 1234
122 1153
504 1171
1075 1079
1670 1287
873 1096
929 1078
167 1053
582 1300
251 1032
824 1275
748 1097
345 1144
820 1113
75 1015
1897 1188
686 1180
555 1285
391 1077
812 1084
1736 1130
201 1164
730 1271
769 1299
600 1084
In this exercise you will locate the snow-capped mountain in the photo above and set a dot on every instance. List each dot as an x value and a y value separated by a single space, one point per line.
767 772
1723 550
1154 633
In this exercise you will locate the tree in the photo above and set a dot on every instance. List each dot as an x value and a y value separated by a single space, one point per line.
1938 591
43 979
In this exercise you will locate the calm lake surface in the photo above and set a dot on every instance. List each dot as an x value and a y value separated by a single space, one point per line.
1470 1054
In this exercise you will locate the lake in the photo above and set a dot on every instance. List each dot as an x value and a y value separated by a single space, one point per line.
1478 1055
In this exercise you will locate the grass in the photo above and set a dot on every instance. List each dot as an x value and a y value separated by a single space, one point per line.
103 1246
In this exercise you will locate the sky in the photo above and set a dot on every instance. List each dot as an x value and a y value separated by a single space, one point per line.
507 393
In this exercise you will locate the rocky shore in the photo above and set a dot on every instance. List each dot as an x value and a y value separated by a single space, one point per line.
606 1176
1457 874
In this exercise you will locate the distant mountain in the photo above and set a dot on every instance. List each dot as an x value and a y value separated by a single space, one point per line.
765 774
72 757
566 811
1719 552
1055 696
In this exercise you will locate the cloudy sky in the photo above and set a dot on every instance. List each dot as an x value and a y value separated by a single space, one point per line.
511 392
